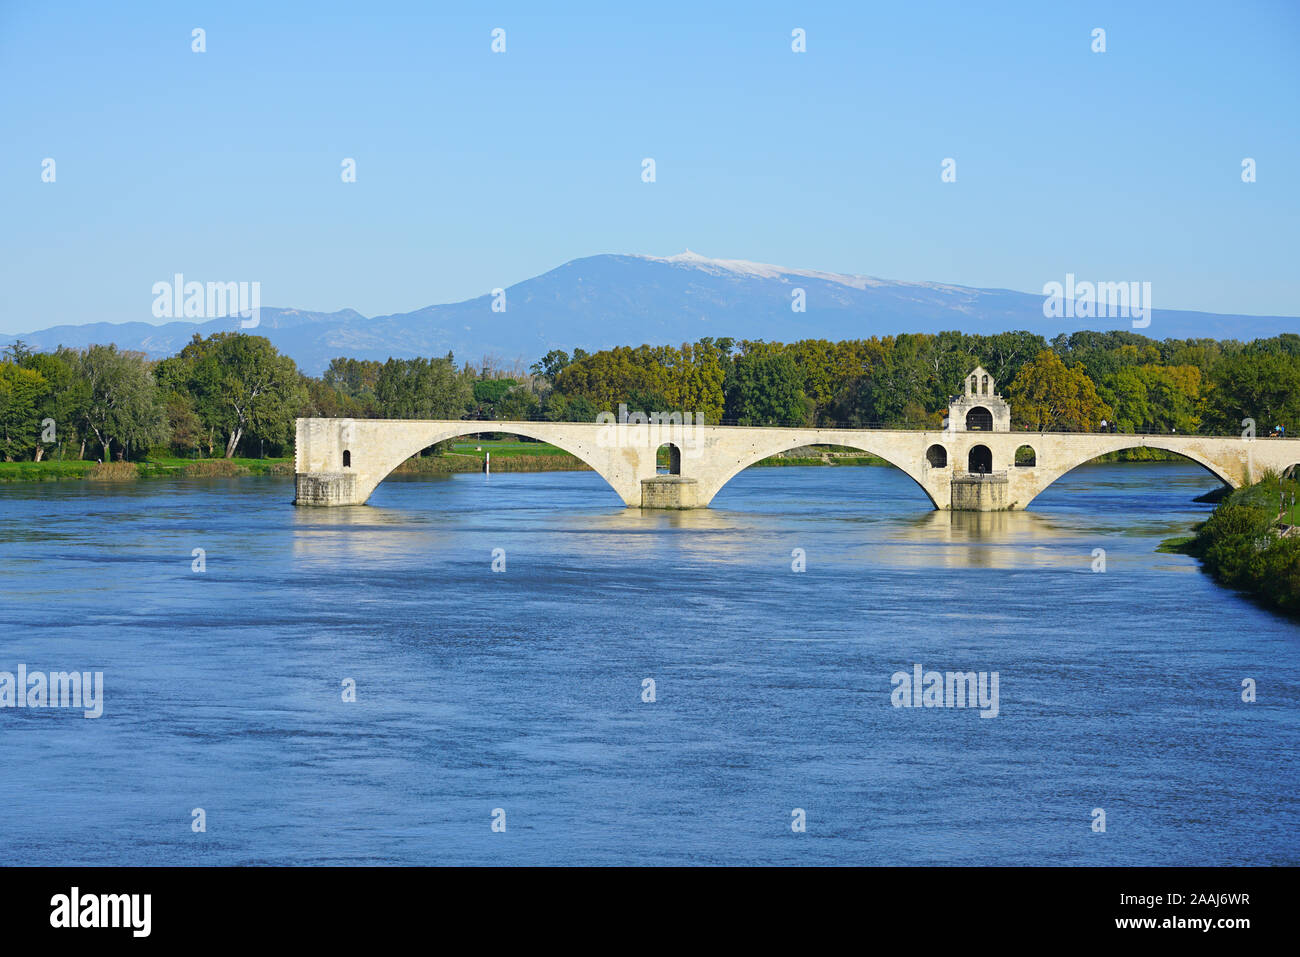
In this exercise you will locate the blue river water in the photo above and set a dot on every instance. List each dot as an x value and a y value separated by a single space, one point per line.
522 689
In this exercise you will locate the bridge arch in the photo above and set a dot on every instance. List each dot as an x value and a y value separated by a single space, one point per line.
979 419
777 445
674 457
384 456
1044 478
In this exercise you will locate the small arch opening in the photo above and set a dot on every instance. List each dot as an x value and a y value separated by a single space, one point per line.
980 460
1026 456
984 386
937 456
979 419
671 456
347 459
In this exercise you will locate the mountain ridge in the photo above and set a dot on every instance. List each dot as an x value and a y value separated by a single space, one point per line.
609 299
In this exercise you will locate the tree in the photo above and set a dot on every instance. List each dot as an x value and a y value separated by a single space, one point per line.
354 380
63 398
578 408
611 376
488 394
1048 396
423 389
183 424
518 404
18 352
20 391
766 389
1260 385
241 384
122 401
551 364
896 379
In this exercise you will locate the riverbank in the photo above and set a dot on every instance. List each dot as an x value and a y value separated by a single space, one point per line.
1251 543
56 470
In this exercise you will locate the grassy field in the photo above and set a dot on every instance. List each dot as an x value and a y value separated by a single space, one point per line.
53 470
504 448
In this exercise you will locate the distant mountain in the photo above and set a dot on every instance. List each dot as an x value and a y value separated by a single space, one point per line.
610 300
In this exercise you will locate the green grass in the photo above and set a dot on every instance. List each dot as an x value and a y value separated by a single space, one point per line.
505 447
48 471
1180 545
54 470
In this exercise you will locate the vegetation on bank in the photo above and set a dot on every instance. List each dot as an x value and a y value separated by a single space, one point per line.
54 470
1251 542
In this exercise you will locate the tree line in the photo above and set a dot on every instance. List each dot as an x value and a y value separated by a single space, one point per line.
233 394
1071 383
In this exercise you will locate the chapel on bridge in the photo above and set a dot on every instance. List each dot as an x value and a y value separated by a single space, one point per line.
979 408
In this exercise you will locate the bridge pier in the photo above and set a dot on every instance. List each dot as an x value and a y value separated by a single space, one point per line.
325 488
670 491
980 493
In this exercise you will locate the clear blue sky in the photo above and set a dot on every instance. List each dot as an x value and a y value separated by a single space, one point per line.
478 170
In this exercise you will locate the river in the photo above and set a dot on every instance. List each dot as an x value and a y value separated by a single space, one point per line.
522 689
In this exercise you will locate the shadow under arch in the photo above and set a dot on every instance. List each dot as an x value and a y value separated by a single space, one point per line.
787 445
537 431
1132 442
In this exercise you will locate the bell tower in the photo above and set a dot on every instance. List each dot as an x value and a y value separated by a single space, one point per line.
979 407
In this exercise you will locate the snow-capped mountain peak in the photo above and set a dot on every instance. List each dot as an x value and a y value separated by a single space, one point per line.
752 270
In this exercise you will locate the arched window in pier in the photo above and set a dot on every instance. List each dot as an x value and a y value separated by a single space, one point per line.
980 460
672 455
979 419
937 456
347 459
1025 456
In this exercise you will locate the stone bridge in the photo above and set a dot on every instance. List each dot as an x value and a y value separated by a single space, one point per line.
341 461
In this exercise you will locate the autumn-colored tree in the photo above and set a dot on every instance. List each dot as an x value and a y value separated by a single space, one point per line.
1048 396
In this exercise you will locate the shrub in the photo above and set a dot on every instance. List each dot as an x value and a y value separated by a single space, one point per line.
113 472
212 468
